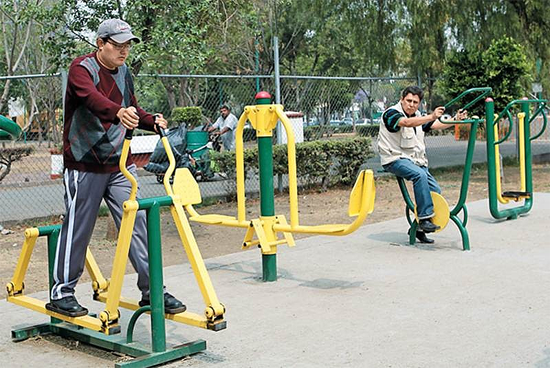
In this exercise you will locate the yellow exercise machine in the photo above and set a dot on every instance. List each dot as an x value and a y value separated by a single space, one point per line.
97 330
263 117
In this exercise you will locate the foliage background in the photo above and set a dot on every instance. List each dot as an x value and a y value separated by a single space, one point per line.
414 38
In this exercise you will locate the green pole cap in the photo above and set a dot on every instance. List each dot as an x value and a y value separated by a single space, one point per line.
263 98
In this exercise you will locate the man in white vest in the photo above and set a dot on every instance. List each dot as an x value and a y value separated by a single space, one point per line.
225 126
403 151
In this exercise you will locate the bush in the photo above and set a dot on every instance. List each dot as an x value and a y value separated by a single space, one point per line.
503 67
191 116
329 162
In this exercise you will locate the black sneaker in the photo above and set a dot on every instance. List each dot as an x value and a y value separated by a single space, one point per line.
428 226
67 306
171 304
421 236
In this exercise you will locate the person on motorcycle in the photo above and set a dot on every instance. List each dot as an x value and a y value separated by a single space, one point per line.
225 127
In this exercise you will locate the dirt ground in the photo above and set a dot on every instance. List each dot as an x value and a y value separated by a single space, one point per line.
315 208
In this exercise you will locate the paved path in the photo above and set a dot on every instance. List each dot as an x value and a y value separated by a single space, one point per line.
364 300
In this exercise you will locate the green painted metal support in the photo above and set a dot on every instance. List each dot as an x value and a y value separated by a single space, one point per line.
156 292
540 106
528 157
143 356
132 322
147 203
269 267
267 200
52 232
154 359
267 197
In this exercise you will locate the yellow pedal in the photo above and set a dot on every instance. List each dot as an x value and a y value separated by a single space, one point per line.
441 210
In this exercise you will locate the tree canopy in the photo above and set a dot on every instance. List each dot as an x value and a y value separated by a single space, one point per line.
414 38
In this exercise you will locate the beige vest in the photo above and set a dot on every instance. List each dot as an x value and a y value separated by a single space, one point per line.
406 143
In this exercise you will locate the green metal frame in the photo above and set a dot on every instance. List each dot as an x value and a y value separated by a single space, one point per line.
145 357
158 353
461 204
540 106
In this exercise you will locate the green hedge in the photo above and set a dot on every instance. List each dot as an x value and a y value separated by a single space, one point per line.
192 116
330 162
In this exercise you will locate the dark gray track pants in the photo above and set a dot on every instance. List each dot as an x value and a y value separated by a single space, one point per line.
83 194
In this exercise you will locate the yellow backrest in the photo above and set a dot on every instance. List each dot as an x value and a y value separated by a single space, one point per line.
186 187
362 194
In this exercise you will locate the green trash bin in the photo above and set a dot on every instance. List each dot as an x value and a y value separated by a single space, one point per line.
196 139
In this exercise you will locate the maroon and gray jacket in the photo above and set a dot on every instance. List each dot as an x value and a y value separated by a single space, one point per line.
93 135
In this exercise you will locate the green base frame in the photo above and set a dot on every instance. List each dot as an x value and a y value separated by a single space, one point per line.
144 357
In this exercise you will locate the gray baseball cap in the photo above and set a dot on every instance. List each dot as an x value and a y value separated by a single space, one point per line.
117 30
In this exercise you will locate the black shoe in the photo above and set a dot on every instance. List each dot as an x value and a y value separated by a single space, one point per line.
67 306
171 304
421 236
428 226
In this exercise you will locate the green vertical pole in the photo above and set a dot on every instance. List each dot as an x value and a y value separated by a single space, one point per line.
156 292
528 159
538 65
53 236
267 198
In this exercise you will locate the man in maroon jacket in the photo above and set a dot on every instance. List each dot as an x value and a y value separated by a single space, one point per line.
99 107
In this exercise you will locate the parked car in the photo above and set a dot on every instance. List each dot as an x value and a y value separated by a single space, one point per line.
335 122
362 121
347 121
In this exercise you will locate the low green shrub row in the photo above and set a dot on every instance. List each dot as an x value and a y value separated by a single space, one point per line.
330 162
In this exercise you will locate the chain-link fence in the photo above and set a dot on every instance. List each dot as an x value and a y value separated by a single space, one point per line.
329 108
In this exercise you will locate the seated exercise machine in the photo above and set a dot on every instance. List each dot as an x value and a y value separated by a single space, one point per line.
441 207
263 117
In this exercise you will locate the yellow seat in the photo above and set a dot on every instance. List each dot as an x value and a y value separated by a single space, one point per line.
361 204
186 187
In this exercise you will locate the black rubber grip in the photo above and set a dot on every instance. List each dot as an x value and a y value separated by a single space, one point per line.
129 133
160 131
